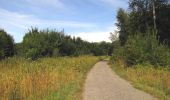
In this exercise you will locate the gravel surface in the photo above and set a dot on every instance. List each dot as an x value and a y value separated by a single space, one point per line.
103 84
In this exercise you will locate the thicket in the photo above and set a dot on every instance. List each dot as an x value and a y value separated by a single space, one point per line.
143 50
142 53
139 42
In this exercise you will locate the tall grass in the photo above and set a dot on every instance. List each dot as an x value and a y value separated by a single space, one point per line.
44 79
146 77
145 62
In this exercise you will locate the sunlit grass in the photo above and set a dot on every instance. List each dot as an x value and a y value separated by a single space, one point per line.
47 78
147 78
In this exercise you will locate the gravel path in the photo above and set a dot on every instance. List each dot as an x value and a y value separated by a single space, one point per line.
103 84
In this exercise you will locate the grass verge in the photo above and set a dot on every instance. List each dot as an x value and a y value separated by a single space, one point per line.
45 79
146 77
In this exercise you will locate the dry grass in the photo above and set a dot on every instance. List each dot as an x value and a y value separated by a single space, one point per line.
147 78
47 78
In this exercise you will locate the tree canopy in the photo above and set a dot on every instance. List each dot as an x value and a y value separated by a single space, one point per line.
6 45
39 43
139 19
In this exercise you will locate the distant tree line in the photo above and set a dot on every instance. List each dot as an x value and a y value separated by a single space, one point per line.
50 43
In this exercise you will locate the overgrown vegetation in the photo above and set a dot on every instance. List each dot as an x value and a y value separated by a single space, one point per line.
141 50
46 65
146 63
47 78
142 54
145 77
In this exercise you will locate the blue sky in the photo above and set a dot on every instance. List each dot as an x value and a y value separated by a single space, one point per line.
92 20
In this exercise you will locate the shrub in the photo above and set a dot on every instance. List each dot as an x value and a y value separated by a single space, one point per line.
33 54
118 52
143 49
56 52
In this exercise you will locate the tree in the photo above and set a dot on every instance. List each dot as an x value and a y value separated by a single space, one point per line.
122 24
67 47
163 21
6 45
141 18
114 36
40 43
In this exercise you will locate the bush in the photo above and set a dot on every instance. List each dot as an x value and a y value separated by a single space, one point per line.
33 54
56 52
1 54
118 52
143 49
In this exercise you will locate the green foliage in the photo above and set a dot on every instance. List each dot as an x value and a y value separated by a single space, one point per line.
35 43
6 45
143 49
33 53
40 43
56 52
141 17
144 57
67 47
123 21
137 45
163 22
102 48
118 52
19 49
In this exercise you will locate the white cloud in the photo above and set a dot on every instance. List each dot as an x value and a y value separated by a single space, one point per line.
25 21
16 22
97 36
94 36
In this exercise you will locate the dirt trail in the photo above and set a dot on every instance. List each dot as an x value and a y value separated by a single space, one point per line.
103 84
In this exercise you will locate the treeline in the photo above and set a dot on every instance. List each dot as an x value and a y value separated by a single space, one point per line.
139 42
50 43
